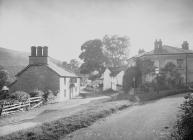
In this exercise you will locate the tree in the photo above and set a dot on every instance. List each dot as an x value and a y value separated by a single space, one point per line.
140 51
145 66
171 74
74 64
4 78
134 75
93 57
128 78
116 49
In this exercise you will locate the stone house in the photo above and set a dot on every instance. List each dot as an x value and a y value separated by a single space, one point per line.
163 54
112 78
42 74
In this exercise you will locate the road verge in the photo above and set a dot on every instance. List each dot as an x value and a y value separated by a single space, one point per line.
62 127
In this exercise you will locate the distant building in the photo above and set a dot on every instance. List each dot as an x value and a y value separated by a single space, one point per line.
42 74
112 78
162 54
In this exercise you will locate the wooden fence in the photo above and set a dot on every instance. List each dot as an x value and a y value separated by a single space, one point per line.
31 103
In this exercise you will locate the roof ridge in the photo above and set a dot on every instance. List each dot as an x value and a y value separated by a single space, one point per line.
180 49
61 67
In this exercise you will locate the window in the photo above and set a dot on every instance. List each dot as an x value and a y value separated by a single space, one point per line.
73 80
180 63
64 81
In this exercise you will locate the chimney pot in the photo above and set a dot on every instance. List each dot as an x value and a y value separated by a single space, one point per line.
45 51
39 51
33 51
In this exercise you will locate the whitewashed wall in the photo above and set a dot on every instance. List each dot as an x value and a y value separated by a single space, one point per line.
106 80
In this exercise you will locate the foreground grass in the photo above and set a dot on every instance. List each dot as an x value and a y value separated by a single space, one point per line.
56 129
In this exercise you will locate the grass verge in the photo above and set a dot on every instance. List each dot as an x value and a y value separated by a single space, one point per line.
60 128
154 95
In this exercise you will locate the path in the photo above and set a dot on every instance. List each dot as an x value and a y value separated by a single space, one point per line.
43 114
150 121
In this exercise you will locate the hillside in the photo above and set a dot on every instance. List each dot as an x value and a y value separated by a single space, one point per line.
14 61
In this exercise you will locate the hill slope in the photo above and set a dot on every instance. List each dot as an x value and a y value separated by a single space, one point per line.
14 61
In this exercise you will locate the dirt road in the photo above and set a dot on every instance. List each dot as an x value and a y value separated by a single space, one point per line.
47 113
150 121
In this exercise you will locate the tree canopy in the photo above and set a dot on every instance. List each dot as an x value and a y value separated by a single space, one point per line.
140 51
4 77
92 56
73 65
96 54
172 75
134 74
116 49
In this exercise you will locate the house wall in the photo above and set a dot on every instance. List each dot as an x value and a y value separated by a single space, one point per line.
161 60
63 94
77 86
37 77
190 69
120 78
107 80
114 83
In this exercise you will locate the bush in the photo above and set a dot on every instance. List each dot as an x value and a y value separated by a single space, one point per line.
183 128
148 86
48 95
37 93
128 77
20 96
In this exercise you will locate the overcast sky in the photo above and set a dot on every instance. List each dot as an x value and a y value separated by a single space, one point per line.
64 25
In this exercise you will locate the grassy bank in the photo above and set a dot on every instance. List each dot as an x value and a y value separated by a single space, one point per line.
60 128
148 96
157 95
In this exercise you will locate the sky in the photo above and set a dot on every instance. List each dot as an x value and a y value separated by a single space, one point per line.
64 25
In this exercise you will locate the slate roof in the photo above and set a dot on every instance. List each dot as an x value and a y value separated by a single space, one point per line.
166 50
58 70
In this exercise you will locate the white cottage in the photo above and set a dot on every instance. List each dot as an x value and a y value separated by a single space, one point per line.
112 78
42 74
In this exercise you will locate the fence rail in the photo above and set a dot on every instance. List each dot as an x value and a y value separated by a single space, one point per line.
33 102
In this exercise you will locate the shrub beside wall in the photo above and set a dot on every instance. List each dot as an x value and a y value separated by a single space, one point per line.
36 93
48 96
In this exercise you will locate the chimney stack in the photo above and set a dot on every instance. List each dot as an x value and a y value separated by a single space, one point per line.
158 46
33 51
39 55
45 51
160 43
